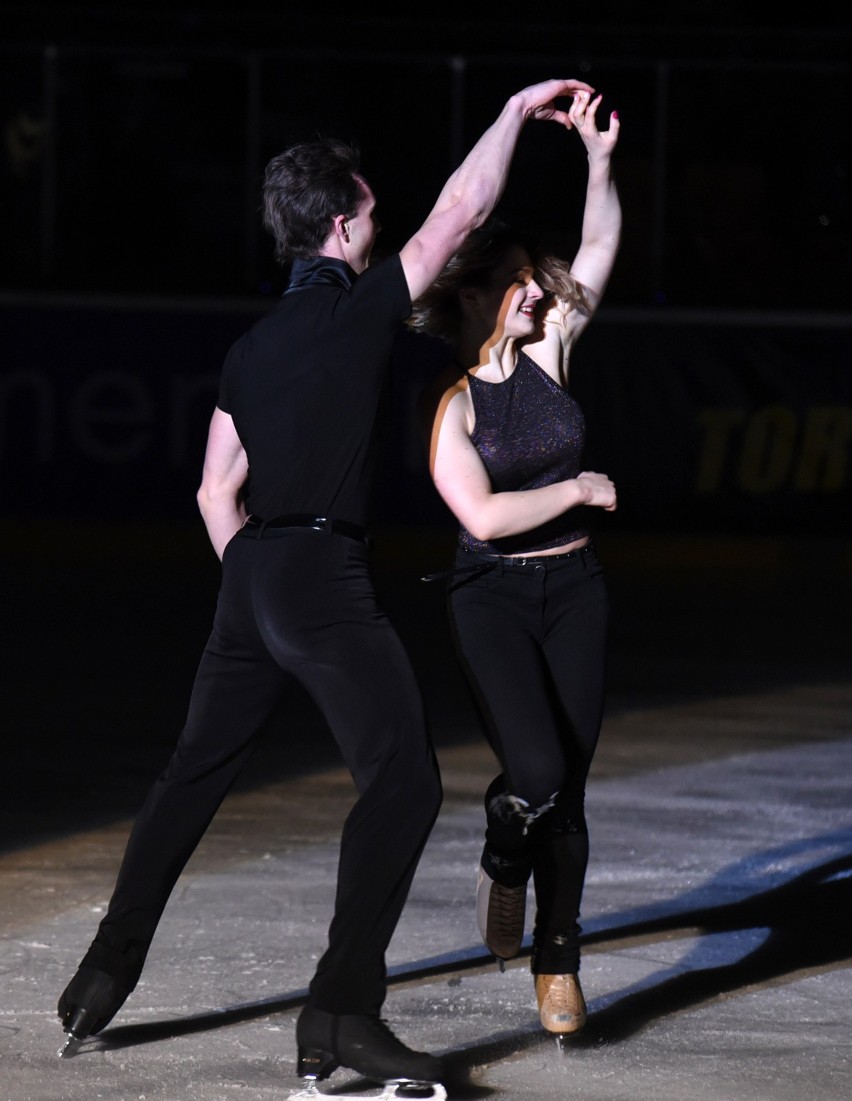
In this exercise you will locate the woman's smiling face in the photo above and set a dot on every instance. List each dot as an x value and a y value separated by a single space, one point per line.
512 296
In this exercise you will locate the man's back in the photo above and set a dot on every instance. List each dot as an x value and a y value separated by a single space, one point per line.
303 386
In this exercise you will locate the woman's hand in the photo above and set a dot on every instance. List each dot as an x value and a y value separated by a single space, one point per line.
583 115
599 490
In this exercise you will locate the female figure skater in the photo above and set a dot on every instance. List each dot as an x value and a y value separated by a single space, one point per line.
527 596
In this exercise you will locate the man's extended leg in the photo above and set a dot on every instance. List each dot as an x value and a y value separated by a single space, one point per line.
236 688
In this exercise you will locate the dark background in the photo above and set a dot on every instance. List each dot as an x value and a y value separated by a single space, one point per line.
716 380
135 137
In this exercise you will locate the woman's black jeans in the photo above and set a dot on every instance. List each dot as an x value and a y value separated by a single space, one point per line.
531 635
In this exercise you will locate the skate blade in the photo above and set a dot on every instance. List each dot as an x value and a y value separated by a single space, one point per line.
70 1047
430 1091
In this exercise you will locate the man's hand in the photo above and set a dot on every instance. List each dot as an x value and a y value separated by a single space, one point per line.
539 99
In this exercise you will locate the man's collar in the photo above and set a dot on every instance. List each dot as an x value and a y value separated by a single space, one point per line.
321 269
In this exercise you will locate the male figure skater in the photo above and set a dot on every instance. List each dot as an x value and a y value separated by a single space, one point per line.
284 496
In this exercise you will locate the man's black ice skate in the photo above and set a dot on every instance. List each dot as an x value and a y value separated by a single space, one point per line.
87 1005
365 1044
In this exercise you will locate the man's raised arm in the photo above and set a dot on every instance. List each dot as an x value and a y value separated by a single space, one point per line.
473 190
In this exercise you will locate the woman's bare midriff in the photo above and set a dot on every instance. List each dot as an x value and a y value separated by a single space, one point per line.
564 549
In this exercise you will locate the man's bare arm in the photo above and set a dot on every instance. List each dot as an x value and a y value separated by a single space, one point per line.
225 470
473 190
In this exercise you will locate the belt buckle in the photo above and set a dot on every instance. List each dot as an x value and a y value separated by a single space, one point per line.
322 523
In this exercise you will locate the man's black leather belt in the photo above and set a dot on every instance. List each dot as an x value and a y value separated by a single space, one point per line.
305 520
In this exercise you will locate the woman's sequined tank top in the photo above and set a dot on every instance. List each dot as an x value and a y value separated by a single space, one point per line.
529 432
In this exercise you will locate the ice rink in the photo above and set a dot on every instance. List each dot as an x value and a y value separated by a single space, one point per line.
717 930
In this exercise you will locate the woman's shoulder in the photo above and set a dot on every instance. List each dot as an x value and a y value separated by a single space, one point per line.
439 392
450 377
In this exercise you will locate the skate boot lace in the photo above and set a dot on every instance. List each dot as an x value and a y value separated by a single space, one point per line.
562 997
506 911
561 1003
